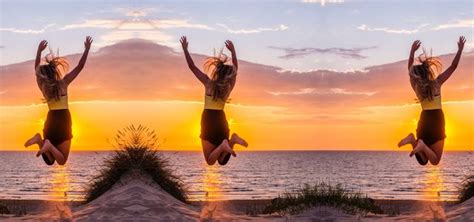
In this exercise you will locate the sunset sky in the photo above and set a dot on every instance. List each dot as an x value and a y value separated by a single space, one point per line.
324 75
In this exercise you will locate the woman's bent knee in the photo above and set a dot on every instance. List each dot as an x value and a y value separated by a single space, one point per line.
435 162
210 163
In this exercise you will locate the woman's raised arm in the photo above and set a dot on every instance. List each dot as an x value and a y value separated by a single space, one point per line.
75 72
42 45
449 71
415 46
231 48
197 72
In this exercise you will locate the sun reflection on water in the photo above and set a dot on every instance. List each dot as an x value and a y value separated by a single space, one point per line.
212 183
433 183
59 183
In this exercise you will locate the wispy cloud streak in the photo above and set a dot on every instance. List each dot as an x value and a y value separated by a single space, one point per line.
322 2
281 27
364 27
136 24
27 31
467 23
308 91
349 53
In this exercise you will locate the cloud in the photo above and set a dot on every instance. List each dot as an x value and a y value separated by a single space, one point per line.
306 91
153 35
322 2
27 31
281 27
95 23
364 27
176 23
350 53
466 23
136 24
470 46
136 13
160 73
282 70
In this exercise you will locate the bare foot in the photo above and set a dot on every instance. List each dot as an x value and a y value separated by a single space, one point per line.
46 146
420 146
36 139
226 147
410 139
238 140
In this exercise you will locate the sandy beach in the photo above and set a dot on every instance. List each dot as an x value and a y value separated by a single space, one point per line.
136 197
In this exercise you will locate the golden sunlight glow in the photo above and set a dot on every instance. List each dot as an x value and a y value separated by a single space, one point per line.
75 133
212 183
433 183
59 183
196 132
177 123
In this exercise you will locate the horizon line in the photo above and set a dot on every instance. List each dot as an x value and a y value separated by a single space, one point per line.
258 150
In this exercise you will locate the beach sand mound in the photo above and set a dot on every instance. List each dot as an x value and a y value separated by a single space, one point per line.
136 197
462 212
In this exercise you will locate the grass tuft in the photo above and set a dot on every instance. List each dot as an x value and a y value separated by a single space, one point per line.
136 149
466 190
322 194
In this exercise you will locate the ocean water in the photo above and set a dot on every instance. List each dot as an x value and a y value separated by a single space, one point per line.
252 175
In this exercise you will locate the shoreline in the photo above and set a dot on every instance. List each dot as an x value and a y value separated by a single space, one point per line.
32 206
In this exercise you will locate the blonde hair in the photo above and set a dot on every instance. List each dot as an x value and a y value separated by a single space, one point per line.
221 75
50 75
424 76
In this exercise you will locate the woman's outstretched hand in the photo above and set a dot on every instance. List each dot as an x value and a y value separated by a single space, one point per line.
461 42
416 45
229 45
42 45
88 42
184 42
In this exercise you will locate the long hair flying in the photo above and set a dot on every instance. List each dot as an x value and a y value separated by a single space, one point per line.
424 75
50 75
221 75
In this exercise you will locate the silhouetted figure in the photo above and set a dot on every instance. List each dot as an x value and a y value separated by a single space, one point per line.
57 131
430 133
214 127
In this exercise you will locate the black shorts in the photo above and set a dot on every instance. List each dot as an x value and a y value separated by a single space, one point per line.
215 129
57 129
430 129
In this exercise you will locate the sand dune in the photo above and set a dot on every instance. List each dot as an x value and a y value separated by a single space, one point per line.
136 197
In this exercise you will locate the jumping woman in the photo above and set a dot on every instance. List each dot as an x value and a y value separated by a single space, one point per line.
57 131
429 142
214 127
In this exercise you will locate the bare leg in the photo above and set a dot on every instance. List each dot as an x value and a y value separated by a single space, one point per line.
432 156
60 153
236 139
212 153
36 139
437 151
410 139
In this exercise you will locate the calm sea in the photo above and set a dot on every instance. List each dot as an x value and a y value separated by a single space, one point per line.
252 175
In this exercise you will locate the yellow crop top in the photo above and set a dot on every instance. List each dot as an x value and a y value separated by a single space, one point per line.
62 103
431 104
210 103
